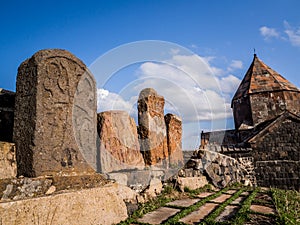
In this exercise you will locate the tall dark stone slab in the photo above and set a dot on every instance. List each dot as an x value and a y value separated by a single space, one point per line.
47 129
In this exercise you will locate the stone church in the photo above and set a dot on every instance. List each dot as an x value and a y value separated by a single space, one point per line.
266 110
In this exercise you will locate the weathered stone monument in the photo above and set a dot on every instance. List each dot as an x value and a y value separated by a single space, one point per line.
152 127
44 131
119 145
174 139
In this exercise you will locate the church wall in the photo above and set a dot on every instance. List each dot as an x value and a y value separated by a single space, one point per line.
266 106
276 156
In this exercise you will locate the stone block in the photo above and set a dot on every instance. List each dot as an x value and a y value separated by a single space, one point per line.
100 205
191 182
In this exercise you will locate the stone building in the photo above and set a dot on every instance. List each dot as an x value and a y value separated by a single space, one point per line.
266 110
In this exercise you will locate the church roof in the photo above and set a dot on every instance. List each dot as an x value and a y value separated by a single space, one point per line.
261 78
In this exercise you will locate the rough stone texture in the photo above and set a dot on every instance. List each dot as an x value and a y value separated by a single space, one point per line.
277 153
8 165
88 206
158 216
174 140
192 183
219 169
119 145
7 106
152 128
45 115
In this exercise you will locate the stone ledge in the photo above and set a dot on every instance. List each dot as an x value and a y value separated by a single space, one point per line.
101 205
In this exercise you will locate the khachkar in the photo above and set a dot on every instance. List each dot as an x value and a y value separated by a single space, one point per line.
174 137
152 128
119 144
55 115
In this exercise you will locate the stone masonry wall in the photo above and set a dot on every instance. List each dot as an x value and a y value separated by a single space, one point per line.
277 155
219 169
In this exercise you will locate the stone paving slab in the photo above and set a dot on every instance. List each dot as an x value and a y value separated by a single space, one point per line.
262 209
221 198
245 193
200 214
186 202
158 216
230 192
238 200
205 194
228 213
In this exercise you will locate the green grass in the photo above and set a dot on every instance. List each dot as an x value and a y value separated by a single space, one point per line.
287 204
212 216
190 209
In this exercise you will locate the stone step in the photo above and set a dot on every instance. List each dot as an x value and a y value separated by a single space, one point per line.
186 202
204 194
222 198
158 216
199 214
238 200
228 213
262 209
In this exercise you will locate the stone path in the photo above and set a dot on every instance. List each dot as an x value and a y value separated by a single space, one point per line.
224 206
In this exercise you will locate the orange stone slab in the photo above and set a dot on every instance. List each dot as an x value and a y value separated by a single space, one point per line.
184 202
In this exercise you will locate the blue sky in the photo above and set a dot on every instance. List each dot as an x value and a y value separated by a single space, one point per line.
222 34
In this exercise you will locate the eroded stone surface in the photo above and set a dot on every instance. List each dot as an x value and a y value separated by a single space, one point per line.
8 165
152 127
119 145
88 206
43 126
158 216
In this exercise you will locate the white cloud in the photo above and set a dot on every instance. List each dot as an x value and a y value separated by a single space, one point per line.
268 32
112 101
293 34
235 64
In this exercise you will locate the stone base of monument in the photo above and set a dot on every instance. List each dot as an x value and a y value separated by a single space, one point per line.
99 205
